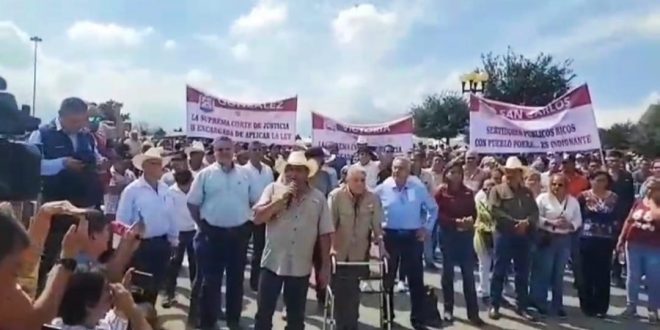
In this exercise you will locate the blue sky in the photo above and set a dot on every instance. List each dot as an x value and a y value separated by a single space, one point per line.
356 61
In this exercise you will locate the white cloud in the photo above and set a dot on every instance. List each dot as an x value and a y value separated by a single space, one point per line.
15 46
359 23
606 117
350 81
107 34
169 44
265 15
240 51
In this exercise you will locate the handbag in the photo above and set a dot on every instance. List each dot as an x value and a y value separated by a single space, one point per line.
431 312
545 237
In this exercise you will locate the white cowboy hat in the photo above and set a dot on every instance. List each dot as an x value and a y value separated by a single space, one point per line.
196 146
298 158
152 153
513 163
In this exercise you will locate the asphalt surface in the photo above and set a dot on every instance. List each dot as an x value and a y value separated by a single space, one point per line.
175 317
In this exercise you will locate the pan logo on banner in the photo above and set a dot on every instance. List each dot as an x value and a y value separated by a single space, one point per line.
567 124
271 123
397 133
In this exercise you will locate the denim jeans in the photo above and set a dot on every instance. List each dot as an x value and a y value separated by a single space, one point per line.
509 246
548 273
643 259
221 251
459 251
430 245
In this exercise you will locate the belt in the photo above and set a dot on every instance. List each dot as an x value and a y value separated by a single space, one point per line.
217 228
155 238
401 231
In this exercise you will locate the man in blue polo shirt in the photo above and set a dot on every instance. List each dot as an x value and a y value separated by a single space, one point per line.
404 200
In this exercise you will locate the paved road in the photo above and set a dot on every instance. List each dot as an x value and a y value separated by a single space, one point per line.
174 318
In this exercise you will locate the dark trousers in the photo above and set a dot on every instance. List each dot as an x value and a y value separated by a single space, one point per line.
404 248
185 246
346 287
508 247
52 248
152 257
258 242
295 298
221 250
594 289
458 251
317 261
576 257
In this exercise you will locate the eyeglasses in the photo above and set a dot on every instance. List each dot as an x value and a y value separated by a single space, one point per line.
223 149
558 185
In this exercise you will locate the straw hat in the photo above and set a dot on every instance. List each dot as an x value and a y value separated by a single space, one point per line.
513 163
298 158
152 153
196 146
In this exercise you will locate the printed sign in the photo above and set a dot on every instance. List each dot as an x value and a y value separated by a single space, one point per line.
398 133
208 116
567 124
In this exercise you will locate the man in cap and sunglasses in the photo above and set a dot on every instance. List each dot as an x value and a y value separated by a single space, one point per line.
296 217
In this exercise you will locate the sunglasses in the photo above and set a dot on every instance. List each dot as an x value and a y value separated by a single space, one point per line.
558 185
223 149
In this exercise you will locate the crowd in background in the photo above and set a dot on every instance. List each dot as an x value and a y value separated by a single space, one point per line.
526 217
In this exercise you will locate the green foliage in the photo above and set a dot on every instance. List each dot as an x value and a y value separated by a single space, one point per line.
516 79
618 136
441 117
643 137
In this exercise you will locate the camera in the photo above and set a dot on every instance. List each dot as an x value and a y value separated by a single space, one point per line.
20 163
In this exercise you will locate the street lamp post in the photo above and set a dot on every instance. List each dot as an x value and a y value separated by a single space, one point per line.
36 41
474 82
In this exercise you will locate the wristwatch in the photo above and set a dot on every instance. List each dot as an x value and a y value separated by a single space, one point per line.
69 264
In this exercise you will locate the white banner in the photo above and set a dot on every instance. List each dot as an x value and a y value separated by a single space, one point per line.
209 117
397 133
567 124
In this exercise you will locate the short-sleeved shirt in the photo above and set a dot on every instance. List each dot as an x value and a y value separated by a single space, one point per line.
291 234
354 220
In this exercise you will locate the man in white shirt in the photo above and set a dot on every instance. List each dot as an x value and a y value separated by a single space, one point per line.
177 207
134 144
179 163
261 176
143 202
219 201
195 155
369 166
120 177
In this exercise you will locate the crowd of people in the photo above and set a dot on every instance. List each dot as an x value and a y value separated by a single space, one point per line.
118 218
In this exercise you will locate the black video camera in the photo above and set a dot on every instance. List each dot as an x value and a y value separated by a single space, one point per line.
20 163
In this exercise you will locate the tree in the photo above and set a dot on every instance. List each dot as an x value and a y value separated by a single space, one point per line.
646 138
159 133
441 117
519 80
618 136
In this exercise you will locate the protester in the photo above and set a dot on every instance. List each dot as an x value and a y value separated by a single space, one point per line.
641 174
68 168
195 154
640 238
143 203
457 214
219 201
296 216
483 240
88 303
600 218
474 176
577 182
369 166
178 163
337 162
120 177
559 217
19 256
357 215
385 163
497 174
133 142
177 207
516 215
261 176
402 197
655 175
533 182
622 186
417 169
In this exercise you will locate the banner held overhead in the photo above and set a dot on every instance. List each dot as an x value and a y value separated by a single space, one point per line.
208 116
567 124
398 133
